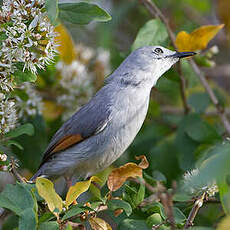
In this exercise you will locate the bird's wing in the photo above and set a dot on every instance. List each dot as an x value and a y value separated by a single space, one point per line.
88 121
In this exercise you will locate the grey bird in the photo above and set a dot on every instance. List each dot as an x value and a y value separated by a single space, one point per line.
101 130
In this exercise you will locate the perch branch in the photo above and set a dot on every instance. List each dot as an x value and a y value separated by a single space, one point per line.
197 205
13 166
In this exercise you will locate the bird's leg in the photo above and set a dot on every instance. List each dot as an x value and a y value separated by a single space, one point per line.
68 181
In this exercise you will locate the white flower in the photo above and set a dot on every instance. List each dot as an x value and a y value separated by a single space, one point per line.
195 188
8 115
3 157
30 36
79 80
33 104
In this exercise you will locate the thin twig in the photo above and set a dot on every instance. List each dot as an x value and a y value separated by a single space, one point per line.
183 88
197 205
13 170
147 185
167 202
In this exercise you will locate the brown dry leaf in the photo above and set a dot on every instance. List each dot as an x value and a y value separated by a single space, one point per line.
144 164
198 39
119 175
65 44
99 224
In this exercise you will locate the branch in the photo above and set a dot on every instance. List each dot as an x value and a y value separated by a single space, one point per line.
197 205
147 185
13 166
183 88
167 201
155 12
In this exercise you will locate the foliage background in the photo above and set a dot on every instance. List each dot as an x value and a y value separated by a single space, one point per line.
173 142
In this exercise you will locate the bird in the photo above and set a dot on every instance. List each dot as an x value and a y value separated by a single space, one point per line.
102 129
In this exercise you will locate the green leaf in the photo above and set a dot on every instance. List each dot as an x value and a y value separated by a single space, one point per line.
152 33
200 130
120 204
155 207
199 101
51 225
23 129
15 143
52 10
139 197
24 76
17 198
28 220
154 219
214 168
3 36
68 227
82 13
46 217
73 211
179 216
158 176
130 224
224 192
192 132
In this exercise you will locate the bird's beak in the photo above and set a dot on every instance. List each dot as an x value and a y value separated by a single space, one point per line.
182 54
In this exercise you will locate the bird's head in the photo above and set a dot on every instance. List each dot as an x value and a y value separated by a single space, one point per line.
148 63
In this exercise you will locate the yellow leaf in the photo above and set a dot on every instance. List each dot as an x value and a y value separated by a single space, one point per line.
224 224
46 190
198 39
65 44
99 224
76 190
103 176
51 111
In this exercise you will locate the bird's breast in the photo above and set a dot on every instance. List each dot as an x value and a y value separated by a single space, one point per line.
127 118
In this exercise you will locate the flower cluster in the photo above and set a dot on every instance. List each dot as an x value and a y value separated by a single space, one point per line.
8 114
195 188
79 79
29 36
27 43
30 106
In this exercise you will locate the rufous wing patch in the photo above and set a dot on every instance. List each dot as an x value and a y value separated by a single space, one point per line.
66 142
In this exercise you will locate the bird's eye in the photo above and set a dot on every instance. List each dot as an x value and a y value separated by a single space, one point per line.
158 51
